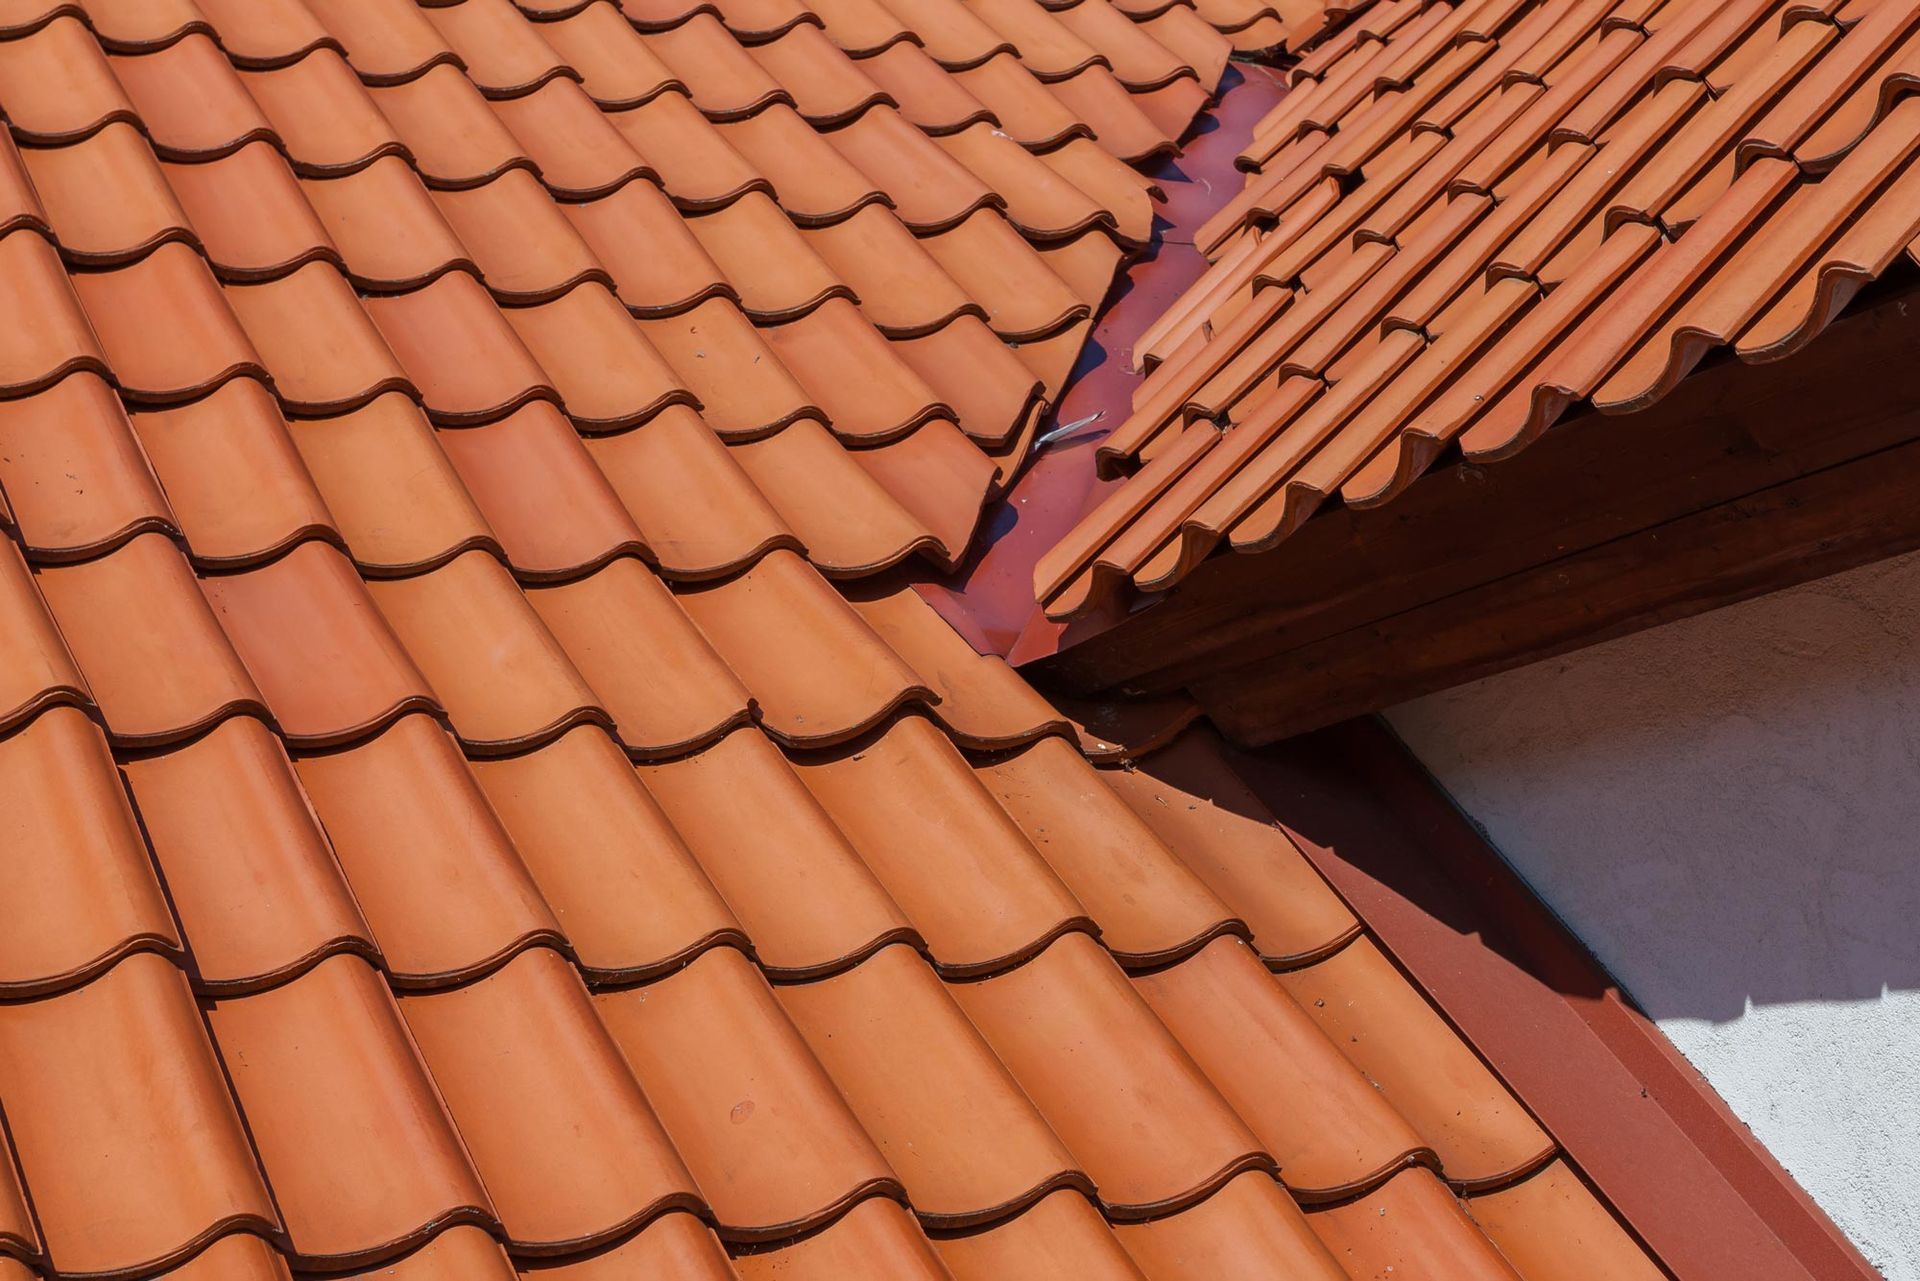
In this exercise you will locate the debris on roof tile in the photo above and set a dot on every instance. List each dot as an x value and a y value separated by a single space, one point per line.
480 795
1465 221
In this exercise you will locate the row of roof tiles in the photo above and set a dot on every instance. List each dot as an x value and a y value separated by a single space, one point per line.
452 826
1468 219
560 1097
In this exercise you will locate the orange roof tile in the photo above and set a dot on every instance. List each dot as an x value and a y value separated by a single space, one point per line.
480 795
1466 220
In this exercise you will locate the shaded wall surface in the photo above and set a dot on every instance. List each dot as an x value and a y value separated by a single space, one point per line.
1727 811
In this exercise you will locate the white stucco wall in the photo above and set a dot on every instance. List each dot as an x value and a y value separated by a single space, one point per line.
1727 811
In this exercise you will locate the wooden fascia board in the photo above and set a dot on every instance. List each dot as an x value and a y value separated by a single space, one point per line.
1331 623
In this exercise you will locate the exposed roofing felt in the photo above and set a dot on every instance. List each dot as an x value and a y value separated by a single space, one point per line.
468 806
1467 220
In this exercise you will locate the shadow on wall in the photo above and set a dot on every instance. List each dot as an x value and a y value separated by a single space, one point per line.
1725 809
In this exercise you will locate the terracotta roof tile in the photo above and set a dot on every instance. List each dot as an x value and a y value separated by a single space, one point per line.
314 340
503 52
615 622
630 896
965 1141
845 518
1060 1235
600 361
1409 1225
80 1123
189 100
556 1125
807 693
398 500
878 795
701 515
77 868
523 468
1714 177
154 654
465 491
1249 1227
264 33
58 85
763 1129
106 198
728 368
467 363
809 903
1150 907
247 866
309 612
873 1240
935 101
404 815
320 115
74 473
359 1148
1069 1026
39 671
675 1244
389 233
465 622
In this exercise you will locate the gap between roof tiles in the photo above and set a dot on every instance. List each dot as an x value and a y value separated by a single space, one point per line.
989 598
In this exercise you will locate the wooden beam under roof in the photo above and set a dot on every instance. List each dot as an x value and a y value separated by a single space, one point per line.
1745 480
